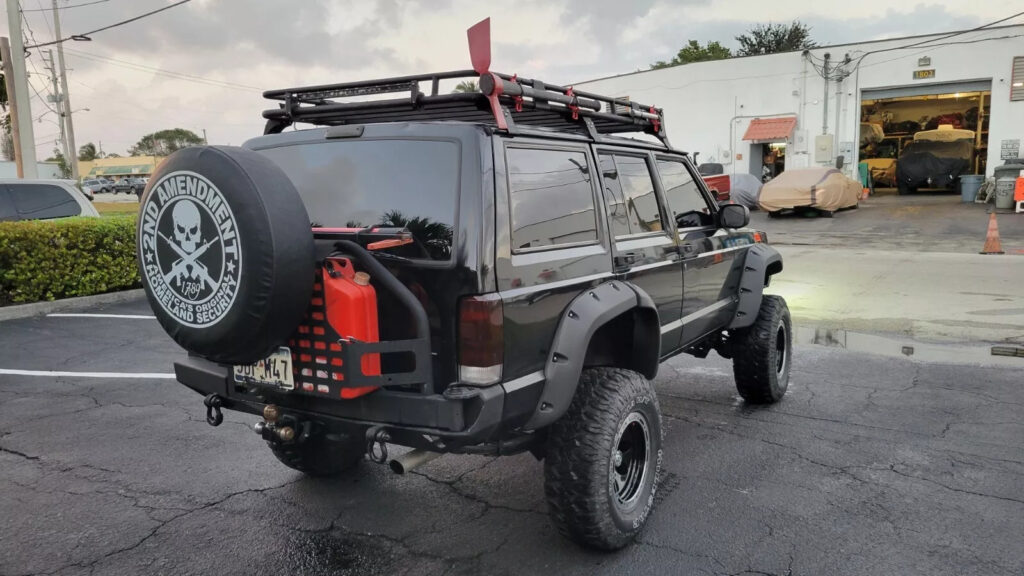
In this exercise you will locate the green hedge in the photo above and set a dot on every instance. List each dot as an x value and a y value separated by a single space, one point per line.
52 259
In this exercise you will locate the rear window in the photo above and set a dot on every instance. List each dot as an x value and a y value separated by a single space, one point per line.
40 201
360 183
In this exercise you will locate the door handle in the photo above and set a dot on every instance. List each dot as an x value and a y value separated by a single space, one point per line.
626 259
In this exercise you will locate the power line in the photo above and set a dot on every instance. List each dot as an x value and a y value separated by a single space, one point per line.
67 7
84 35
161 71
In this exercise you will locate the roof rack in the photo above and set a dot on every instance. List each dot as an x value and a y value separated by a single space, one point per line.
505 101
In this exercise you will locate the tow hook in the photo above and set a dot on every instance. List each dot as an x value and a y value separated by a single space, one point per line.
213 404
377 438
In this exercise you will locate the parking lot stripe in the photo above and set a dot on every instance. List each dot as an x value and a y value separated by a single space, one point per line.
87 374
134 316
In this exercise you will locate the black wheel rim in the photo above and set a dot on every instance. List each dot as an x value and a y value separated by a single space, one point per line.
780 350
630 460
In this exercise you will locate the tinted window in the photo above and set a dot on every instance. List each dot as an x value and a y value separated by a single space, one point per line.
551 197
638 190
688 205
410 183
38 201
618 221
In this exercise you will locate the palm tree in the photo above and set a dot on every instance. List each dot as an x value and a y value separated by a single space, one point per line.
466 86
435 236
88 152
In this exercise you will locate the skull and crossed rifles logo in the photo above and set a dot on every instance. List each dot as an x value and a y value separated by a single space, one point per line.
187 236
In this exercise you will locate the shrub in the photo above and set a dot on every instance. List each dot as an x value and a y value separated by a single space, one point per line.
51 259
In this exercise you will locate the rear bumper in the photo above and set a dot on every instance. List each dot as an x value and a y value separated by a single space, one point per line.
469 419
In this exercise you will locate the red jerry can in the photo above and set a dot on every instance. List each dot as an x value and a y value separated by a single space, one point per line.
351 304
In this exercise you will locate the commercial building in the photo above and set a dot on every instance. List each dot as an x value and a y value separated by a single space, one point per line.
765 114
116 168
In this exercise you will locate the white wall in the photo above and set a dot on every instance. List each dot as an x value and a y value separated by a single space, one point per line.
9 169
703 100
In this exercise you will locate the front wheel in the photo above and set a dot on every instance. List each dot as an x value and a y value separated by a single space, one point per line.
764 353
603 459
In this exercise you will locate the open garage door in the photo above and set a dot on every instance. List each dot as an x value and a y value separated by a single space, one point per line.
925 137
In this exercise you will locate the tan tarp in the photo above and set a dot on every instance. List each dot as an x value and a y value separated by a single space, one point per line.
822 188
945 133
883 170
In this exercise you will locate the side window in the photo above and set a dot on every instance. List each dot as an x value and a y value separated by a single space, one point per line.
6 208
617 219
551 198
638 190
688 205
34 201
629 188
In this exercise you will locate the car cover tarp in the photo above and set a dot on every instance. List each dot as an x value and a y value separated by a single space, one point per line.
941 162
822 188
744 189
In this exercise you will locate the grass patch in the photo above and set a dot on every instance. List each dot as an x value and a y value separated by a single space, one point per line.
116 208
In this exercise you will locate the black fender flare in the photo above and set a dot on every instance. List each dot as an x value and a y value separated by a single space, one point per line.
587 313
761 263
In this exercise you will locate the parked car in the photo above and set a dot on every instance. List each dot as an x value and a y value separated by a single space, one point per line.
529 275
130 186
108 185
42 199
718 183
823 189
93 186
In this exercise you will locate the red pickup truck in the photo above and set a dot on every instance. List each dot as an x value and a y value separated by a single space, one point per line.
719 186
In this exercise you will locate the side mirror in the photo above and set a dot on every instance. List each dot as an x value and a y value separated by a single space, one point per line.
733 216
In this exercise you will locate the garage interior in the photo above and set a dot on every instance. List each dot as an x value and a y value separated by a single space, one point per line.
948 121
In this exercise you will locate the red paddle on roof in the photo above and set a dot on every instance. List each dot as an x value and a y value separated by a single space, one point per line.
480 54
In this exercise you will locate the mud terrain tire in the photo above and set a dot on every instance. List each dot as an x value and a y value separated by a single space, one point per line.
603 459
763 353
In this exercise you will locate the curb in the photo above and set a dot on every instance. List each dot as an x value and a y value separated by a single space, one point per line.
40 308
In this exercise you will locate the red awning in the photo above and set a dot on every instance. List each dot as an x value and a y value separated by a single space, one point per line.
770 128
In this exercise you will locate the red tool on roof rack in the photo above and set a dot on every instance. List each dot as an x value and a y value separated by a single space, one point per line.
504 101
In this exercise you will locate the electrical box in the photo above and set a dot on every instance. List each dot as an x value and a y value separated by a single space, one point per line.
823 148
800 141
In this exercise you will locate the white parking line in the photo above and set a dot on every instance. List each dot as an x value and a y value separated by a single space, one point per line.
86 374
134 316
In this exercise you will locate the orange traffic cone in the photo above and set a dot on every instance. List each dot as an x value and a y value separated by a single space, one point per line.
992 245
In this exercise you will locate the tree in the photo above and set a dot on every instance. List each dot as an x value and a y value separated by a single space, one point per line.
466 86
771 38
165 142
88 152
694 52
62 163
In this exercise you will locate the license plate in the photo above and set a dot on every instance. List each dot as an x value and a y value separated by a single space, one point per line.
274 370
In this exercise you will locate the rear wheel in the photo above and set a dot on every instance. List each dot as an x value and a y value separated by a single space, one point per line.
603 459
764 353
321 455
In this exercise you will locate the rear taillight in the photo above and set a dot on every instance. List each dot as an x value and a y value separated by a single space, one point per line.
481 339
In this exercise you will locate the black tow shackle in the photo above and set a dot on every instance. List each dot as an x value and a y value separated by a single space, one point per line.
213 404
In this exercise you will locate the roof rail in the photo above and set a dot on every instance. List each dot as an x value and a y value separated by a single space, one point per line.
504 101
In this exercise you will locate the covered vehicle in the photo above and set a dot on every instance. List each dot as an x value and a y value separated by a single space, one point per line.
824 189
930 164
882 170
744 189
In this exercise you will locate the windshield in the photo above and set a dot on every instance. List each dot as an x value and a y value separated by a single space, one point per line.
402 183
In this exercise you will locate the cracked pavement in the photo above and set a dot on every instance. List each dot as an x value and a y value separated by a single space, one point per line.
870 465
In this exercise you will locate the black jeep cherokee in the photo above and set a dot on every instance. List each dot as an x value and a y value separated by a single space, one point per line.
483 273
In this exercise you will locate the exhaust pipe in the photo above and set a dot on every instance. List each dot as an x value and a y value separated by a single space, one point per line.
411 460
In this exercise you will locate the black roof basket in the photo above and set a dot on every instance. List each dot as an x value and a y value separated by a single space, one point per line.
503 101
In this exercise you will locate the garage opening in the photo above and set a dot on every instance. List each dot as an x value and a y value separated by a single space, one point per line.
925 138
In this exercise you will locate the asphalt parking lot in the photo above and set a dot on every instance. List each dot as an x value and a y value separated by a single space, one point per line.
870 465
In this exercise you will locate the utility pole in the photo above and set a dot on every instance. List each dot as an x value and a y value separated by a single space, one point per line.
21 118
205 141
73 156
58 101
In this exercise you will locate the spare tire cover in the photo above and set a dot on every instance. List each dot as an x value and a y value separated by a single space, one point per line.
225 251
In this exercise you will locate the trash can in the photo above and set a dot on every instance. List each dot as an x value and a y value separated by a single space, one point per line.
1004 192
969 186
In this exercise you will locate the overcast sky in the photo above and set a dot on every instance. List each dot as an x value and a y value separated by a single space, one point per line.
203 65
